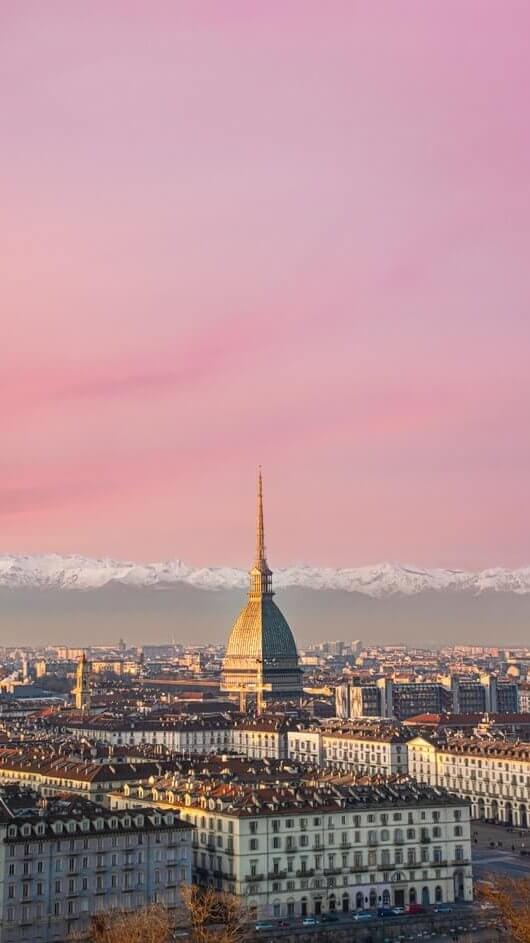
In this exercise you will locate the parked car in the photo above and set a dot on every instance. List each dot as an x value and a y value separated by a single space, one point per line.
264 925
329 917
398 911
310 922
363 915
443 909
385 912
415 909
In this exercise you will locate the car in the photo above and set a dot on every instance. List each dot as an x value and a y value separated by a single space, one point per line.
415 909
363 915
264 925
309 922
398 911
385 912
443 909
283 924
329 917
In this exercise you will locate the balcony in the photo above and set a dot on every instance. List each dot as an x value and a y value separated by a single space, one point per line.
425 839
254 878
329 871
277 875
308 873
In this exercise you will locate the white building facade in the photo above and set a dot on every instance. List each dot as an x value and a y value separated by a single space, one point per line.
493 776
294 851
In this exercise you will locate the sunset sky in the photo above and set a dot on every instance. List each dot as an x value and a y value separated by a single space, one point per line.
288 232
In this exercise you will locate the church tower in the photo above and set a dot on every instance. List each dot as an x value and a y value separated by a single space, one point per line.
81 691
261 655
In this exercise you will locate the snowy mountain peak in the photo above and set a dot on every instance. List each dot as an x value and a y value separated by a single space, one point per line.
53 571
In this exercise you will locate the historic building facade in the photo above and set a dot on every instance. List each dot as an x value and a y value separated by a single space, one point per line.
493 775
305 850
64 863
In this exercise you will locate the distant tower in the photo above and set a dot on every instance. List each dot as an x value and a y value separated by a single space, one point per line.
81 691
25 668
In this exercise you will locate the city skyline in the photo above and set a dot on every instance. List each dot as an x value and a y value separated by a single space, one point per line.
266 235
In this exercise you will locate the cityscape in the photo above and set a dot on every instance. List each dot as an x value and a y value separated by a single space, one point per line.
264 513
344 782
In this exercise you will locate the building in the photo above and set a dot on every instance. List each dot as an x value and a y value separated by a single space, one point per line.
388 699
264 737
51 774
370 749
394 699
208 733
305 849
261 656
492 775
81 691
62 862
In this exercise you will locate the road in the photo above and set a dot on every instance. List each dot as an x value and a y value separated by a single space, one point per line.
497 850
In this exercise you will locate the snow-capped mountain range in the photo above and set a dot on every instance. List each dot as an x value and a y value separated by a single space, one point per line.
54 571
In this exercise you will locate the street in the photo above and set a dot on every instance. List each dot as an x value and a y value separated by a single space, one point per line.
497 850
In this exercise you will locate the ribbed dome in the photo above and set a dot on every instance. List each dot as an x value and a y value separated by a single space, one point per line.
261 632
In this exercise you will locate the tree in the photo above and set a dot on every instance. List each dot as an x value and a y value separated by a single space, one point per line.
213 916
511 897
152 924
205 916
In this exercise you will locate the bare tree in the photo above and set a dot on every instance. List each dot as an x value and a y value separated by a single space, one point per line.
213 916
152 924
511 897
205 916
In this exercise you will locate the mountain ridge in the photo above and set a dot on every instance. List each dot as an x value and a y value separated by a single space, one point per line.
76 572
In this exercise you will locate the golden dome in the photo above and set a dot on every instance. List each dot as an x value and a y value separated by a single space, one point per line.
261 632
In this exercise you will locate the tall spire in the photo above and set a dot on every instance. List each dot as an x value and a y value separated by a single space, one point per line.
260 532
260 575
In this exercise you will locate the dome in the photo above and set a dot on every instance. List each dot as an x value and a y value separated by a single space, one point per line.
261 632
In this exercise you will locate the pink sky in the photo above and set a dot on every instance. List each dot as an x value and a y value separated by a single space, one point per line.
292 233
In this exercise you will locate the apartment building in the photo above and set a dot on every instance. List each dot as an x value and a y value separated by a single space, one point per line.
50 774
365 748
264 737
492 775
303 850
190 734
61 862
451 693
306 848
